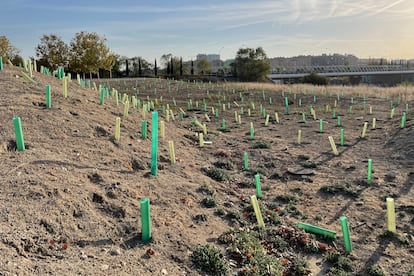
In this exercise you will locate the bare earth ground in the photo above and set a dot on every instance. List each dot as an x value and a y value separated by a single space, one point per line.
70 201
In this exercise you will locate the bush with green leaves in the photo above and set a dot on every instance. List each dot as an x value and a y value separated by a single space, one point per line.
210 260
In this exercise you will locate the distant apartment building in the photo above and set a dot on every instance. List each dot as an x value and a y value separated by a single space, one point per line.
208 57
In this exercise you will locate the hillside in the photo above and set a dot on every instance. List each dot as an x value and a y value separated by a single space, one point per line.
70 203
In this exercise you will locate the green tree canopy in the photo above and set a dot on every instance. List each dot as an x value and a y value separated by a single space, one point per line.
165 60
89 53
52 52
203 67
7 50
145 66
251 64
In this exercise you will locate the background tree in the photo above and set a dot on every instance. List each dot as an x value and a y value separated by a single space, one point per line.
108 63
17 60
155 68
315 79
52 52
203 67
165 60
140 66
251 64
88 53
7 50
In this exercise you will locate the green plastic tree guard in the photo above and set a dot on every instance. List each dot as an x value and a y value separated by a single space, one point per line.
154 140
316 229
369 172
145 219
48 96
102 97
258 187
345 233
144 129
17 123
246 160
286 106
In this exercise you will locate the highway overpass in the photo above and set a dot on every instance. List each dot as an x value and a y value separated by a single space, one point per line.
388 74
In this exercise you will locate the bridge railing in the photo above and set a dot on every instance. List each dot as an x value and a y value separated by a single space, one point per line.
339 68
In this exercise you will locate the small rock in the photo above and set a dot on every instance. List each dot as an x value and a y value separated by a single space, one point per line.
164 271
83 256
228 204
104 267
390 176
115 252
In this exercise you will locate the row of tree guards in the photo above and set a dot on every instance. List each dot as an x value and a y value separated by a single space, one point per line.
145 208
391 225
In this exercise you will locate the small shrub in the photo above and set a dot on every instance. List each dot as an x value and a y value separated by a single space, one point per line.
263 264
272 217
275 240
227 165
345 264
333 271
339 262
217 174
332 257
261 145
206 190
300 266
374 270
291 199
339 189
233 215
210 260
303 157
209 202
220 212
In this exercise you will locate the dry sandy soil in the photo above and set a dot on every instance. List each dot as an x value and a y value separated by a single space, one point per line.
70 203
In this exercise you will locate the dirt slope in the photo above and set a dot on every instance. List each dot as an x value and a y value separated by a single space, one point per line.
70 203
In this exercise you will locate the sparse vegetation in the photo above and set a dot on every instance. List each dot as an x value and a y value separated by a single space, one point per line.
340 264
374 270
206 190
340 189
217 174
209 202
227 165
261 145
300 266
183 190
210 260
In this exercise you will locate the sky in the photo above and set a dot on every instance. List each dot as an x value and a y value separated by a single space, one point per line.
185 28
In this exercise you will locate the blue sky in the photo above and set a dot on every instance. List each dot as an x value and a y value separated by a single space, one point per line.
368 28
